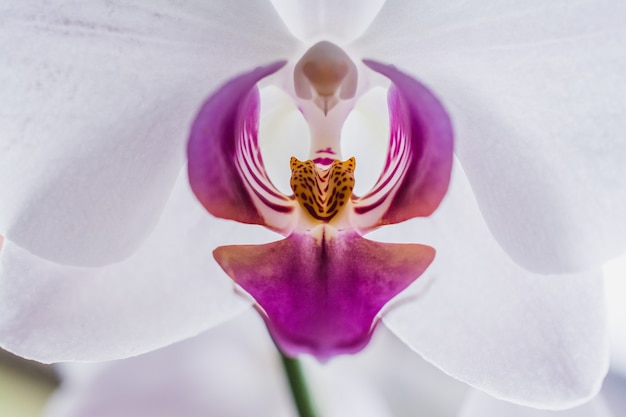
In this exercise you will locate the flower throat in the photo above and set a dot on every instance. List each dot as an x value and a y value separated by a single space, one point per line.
322 192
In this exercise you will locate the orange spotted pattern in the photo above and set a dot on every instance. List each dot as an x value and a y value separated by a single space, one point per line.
322 192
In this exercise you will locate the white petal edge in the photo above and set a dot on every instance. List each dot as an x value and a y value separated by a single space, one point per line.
97 103
615 285
531 339
169 290
335 21
479 404
230 371
535 90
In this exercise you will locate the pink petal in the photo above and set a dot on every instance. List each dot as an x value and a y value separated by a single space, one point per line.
419 160
323 298
226 170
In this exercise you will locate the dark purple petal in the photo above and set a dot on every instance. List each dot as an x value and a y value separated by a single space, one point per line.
226 170
322 296
419 161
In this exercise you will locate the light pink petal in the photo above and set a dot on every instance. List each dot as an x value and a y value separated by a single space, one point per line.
169 290
532 339
230 371
536 93
336 21
97 100
479 404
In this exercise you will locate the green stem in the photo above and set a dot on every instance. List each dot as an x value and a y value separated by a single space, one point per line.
298 385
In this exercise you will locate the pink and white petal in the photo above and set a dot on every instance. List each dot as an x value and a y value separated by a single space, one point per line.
419 156
229 371
226 169
535 91
169 290
479 404
531 339
97 103
335 21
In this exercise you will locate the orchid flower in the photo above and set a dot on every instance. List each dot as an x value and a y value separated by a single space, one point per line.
107 253
321 288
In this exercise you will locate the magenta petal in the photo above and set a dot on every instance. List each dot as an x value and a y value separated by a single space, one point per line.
323 298
420 153
223 144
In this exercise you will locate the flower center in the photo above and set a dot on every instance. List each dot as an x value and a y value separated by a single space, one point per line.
322 192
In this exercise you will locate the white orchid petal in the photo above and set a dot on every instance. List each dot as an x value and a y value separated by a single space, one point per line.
479 404
536 93
337 21
531 339
97 100
169 290
407 381
200 377
229 371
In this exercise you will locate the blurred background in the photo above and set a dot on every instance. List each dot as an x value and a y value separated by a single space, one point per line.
24 386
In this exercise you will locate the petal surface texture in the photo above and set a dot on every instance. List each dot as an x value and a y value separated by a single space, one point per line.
536 94
230 371
321 296
535 340
97 103
479 404
169 290
337 21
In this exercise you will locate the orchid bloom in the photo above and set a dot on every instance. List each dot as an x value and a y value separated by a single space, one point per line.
107 252
321 288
